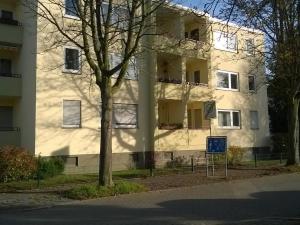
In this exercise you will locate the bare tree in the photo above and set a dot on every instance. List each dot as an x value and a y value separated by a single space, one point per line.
99 28
280 21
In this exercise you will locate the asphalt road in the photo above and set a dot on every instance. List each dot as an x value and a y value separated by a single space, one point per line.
263 201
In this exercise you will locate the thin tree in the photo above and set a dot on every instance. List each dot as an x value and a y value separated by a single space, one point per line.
280 21
99 28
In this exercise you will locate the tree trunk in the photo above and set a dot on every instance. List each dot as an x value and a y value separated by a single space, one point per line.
293 150
105 167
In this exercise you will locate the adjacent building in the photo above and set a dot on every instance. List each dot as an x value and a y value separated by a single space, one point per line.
49 105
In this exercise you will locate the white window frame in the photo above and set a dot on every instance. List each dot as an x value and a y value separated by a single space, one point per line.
246 46
216 37
231 111
229 81
65 70
254 83
62 116
67 15
251 127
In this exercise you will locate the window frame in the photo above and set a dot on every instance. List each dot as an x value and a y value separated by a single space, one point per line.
80 115
217 34
254 80
246 46
229 81
126 126
65 70
231 111
257 122
67 15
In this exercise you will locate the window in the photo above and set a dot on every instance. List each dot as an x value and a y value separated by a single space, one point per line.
254 120
251 83
229 119
5 67
131 72
249 46
7 15
71 113
227 80
6 118
225 41
72 60
194 118
197 76
195 34
71 8
124 116
119 16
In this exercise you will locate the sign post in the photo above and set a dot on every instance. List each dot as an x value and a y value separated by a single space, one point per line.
215 145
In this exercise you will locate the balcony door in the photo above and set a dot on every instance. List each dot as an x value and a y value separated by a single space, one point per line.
6 118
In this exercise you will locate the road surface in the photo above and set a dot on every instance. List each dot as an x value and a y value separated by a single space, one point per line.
273 200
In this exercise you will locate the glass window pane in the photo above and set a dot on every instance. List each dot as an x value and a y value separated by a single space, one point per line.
224 119
231 42
72 113
5 66
197 76
6 117
72 59
223 80
124 116
236 119
234 81
71 8
254 120
251 80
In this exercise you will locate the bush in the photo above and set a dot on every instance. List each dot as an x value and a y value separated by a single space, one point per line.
50 167
94 191
280 142
235 155
16 164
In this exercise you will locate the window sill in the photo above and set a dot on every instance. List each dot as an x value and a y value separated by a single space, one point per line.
229 128
76 72
71 127
226 50
71 17
227 89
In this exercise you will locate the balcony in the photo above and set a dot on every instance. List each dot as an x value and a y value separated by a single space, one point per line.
10 85
11 33
9 136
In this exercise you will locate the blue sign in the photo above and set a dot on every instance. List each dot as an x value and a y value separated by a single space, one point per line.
216 144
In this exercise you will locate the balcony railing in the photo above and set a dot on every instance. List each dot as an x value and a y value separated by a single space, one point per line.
169 80
10 22
10 85
170 126
196 84
14 75
10 136
9 129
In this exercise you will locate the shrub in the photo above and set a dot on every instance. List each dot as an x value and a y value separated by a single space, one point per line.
235 155
94 191
16 164
280 142
50 167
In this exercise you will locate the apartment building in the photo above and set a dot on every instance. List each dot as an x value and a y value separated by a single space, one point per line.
49 105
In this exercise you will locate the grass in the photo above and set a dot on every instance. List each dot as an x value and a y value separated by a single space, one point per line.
93 191
68 181
65 182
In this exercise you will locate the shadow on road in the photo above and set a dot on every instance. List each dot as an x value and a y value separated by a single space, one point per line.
261 208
